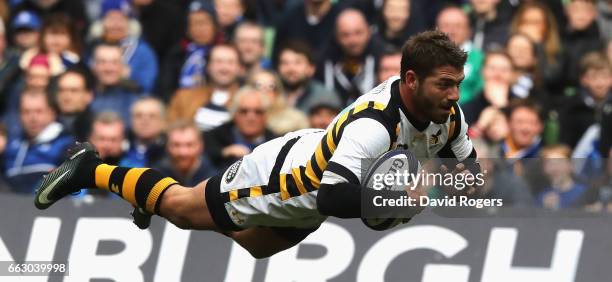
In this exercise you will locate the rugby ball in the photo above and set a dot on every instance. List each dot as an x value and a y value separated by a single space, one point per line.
395 162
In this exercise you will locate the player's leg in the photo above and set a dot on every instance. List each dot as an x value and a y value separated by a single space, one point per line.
263 242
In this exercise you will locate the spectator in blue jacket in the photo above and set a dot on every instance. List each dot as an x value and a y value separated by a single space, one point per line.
136 53
39 149
113 91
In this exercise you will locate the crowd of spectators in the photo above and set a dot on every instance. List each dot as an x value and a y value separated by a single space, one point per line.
190 86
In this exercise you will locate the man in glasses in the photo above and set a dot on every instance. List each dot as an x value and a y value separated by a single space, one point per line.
246 130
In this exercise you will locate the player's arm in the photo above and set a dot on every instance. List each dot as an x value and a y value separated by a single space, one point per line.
459 148
340 193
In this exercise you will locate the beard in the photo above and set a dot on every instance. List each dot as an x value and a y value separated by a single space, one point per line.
293 86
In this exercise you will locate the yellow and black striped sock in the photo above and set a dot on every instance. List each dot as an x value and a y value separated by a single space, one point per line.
142 187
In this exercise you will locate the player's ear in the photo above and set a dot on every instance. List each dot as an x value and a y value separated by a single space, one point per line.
411 80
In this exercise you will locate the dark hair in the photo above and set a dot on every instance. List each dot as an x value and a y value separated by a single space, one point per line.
61 23
298 46
429 50
525 103
80 71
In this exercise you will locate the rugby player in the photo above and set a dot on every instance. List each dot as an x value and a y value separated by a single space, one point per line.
274 197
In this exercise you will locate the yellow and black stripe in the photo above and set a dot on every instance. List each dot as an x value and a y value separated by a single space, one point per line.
305 179
141 187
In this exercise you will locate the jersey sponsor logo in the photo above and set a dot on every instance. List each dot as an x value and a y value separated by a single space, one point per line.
232 171
115 188
435 139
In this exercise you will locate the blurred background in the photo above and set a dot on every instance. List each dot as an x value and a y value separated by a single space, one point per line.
155 83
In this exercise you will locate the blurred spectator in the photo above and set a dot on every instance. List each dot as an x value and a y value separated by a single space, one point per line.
580 37
497 74
389 65
296 68
112 91
599 197
397 23
564 191
455 22
116 22
320 116
311 21
163 24
59 42
523 141
232 140
536 21
491 128
36 79
281 117
586 108
229 13
73 97
527 80
499 183
108 137
349 66
185 66
9 68
249 40
186 161
146 137
26 30
74 9
39 149
207 105
490 28
604 18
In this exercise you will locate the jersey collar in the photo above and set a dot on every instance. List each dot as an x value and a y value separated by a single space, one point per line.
395 95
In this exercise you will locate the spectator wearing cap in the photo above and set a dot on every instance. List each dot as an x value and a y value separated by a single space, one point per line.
186 63
26 30
163 24
74 9
119 27
186 161
296 67
59 42
113 90
39 148
249 40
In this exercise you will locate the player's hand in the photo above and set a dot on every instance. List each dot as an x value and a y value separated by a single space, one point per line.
235 150
452 190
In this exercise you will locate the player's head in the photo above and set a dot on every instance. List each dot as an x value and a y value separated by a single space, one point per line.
431 71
